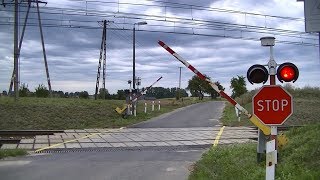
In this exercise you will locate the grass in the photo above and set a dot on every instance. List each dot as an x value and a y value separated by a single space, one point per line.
60 113
299 159
306 108
12 153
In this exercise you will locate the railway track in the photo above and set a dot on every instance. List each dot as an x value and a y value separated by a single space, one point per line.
14 136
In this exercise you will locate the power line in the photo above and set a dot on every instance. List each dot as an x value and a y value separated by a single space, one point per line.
194 7
172 32
96 13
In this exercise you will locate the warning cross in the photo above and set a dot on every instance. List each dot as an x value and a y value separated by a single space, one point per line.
272 105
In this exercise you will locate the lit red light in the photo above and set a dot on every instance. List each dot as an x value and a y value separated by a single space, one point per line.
287 73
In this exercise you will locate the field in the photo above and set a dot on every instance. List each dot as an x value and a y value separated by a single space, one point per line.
60 113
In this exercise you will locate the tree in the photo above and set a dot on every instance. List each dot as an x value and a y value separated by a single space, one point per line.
103 94
214 94
66 94
42 91
199 87
196 87
238 86
121 95
84 95
4 93
23 90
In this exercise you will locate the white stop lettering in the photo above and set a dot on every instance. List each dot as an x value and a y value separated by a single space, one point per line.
274 105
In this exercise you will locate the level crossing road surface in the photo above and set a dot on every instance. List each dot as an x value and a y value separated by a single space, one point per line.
142 152
197 115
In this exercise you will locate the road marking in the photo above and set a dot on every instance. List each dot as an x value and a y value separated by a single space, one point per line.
216 141
73 140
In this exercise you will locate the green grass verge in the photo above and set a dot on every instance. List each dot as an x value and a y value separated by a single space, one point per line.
299 159
60 113
12 153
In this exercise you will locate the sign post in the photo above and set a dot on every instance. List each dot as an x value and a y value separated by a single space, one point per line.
273 106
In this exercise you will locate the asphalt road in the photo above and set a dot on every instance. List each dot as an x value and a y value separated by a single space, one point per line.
121 165
197 115
114 165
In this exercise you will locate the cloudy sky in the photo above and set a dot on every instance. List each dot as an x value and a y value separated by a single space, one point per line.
219 37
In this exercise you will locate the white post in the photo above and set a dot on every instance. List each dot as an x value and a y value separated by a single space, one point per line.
237 113
271 155
152 107
135 110
145 107
128 109
159 106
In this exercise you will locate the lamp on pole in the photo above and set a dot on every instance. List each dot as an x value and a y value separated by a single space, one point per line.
134 53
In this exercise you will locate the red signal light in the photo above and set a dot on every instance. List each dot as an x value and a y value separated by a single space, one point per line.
287 72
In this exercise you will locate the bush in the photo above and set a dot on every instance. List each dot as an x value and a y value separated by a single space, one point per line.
84 95
24 91
42 91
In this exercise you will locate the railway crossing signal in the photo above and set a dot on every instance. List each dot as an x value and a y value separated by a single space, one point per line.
286 72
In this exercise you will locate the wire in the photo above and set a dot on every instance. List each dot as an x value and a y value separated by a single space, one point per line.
171 32
80 12
194 7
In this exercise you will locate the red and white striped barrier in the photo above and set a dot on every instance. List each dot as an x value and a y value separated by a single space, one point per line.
134 99
201 76
254 119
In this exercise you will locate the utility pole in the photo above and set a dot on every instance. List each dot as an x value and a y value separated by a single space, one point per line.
134 55
179 95
20 43
102 55
15 44
15 73
102 58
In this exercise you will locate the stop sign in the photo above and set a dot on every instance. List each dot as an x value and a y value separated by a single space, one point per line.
272 104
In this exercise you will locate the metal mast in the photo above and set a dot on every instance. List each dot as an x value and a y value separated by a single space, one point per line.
102 58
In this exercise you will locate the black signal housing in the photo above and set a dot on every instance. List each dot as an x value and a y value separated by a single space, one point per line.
257 74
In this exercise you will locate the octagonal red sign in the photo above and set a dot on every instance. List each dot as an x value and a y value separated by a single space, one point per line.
272 104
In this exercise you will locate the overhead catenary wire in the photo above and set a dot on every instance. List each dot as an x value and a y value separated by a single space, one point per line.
104 14
171 32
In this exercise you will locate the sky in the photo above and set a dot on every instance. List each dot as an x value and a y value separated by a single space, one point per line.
221 38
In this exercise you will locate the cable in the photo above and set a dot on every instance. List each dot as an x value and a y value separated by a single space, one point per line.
194 7
156 18
171 32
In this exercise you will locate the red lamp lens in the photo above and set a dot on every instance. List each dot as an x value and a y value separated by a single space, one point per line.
287 73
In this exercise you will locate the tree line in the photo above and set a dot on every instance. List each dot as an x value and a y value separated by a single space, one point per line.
42 92
196 86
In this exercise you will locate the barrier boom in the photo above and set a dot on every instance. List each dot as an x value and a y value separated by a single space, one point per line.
136 97
265 129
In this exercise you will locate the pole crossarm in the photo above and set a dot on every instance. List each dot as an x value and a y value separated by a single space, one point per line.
266 129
